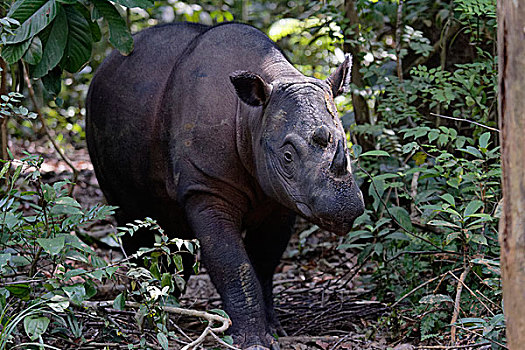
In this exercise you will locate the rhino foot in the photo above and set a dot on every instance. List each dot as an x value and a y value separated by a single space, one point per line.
274 346
254 342
277 328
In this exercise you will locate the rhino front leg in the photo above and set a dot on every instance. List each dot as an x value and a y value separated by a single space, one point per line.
266 244
217 226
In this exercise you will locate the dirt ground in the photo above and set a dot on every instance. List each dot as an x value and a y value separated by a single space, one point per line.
319 296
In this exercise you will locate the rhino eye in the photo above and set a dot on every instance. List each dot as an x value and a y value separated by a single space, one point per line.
288 156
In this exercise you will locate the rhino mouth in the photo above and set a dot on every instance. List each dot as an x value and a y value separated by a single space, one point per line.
305 210
339 227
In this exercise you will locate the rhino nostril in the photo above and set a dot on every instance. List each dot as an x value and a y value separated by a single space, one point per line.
339 164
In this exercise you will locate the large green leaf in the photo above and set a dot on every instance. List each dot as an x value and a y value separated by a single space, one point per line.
135 3
12 53
54 46
52 81
35 326
52 245
96 35
34 52
34 15
119 35
79 41
402 217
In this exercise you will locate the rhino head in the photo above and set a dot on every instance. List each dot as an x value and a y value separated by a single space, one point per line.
299 146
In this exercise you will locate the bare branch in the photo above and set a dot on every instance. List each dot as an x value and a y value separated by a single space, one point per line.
465 120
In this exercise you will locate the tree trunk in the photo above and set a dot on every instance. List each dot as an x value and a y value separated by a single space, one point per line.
511 55
358 102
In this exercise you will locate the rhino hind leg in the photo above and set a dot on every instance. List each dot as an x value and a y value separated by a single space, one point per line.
265 245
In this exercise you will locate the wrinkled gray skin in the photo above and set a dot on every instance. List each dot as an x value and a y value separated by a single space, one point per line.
211 131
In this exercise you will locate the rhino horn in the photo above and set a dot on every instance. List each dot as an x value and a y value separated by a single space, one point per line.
339 163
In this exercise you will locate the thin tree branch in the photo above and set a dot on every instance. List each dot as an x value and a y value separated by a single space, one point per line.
3 123
399 34
459 289
421 286
465 120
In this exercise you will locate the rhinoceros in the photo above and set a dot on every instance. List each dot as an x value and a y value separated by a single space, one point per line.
212 132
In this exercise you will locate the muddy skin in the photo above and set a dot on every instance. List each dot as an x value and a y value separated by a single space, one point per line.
212 132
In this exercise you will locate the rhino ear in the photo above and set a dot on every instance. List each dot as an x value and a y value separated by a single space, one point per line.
251 88
340 79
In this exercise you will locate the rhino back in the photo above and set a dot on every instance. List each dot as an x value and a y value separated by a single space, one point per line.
126 142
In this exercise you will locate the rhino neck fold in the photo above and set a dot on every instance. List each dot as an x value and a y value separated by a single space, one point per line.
276 67
244 117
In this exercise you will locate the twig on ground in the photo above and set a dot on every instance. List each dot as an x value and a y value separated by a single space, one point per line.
455 315
421 286
336 345
452 347
211 318
483 336
222 342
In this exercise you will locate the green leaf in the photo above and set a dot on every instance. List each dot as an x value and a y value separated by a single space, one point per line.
163 340
74 272
20 290
452 236
58 303
471 321
53 82
79 41
34 15
120 302
135 3
377 153
96 35
119 35
4 259
472 207
449 199
442 140
76 293
442 223
435 299
220 313
402 217
66 205
228 339
433 135
479 238
54 46
471 150
35 326
12 53
52 245
34 52
484 140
